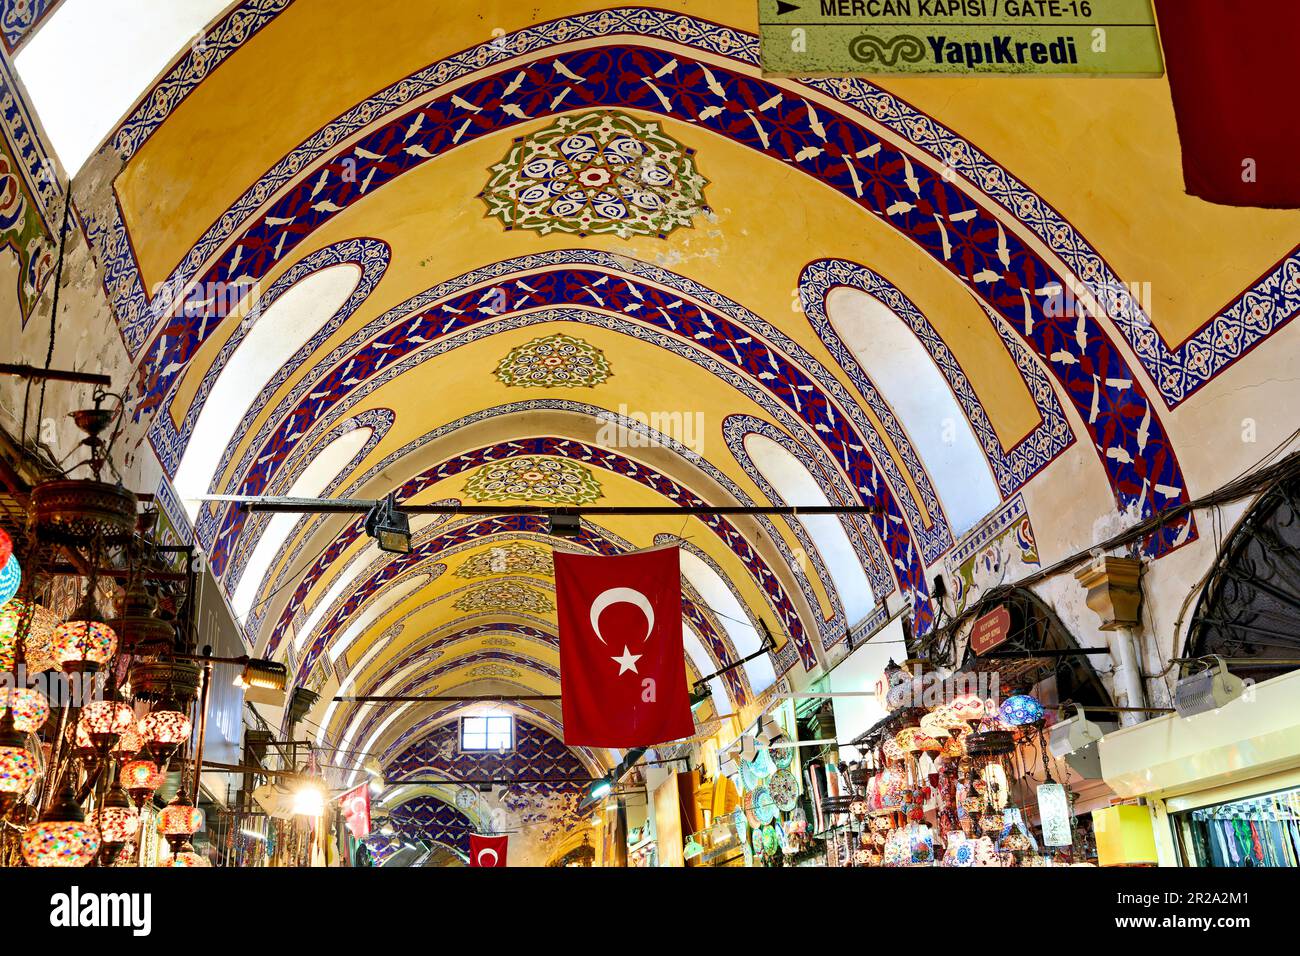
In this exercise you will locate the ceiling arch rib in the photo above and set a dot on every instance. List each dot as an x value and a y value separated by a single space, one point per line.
332 460
833 630
835 432
1129 415
780 604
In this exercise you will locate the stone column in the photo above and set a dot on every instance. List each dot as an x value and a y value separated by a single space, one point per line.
1115 594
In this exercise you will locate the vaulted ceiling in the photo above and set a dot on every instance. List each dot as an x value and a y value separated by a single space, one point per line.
561 254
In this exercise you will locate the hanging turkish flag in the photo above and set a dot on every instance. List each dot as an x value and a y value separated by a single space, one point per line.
1231 69
622 669
487 850
356 810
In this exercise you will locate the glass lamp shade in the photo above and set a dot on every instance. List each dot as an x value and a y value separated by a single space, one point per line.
62 837
858 808
30 707
11 577
83 645
935 724
17 770
967 707
186 857
118 824
141 778
180 818
63 844
914 740
107 720
1019 710
6 546
167 726
893 752
39 633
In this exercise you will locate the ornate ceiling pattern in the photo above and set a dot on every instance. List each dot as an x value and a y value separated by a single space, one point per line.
546 245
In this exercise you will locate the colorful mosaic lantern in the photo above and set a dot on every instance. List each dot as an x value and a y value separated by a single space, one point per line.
11 577
141 778
914 740
6 547
61 838
106 721
118 821
1019 710
129 743
40 631
180 818
967 707
29 707
186 857
17 765
935 724
83 645
165 728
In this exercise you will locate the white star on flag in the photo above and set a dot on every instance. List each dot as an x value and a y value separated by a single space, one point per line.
627 662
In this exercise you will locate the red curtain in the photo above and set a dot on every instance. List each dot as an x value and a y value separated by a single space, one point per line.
1232 67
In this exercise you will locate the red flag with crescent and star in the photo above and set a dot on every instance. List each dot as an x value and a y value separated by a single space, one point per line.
622 669
356 810
487 850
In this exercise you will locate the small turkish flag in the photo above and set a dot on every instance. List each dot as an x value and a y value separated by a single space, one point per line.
487 850
622 669
356 810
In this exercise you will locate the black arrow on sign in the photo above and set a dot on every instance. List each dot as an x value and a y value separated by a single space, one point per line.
783 8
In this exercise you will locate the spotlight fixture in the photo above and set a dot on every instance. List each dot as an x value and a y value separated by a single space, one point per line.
1208 689
264 682
390 528
601 789
564 524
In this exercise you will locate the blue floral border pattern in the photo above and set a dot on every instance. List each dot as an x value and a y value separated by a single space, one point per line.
1271 302
371 256
783 368
18 18
1013 467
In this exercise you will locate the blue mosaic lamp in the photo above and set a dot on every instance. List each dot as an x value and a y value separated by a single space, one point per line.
1020 709
11 575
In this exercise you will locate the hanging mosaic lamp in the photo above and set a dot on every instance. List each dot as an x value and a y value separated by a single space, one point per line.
11 576
78 738
106 721
61 838
165 728
83 645
180 819
141 779
1054 812
118 823
36 645
914 740
185 857
935 724
966 707
6 546
18 768
1019 710
30 708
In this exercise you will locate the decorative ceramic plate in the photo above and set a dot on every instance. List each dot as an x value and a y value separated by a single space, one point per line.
771 839
763 765
756 838
742 824
749 775
764 805
784 790
782 756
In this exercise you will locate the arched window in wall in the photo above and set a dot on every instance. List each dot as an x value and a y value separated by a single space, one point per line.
719 598
906 376
1251 604
796 486
287 325
315 478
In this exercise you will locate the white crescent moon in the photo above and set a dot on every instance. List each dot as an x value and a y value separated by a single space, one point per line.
484 852
607 599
